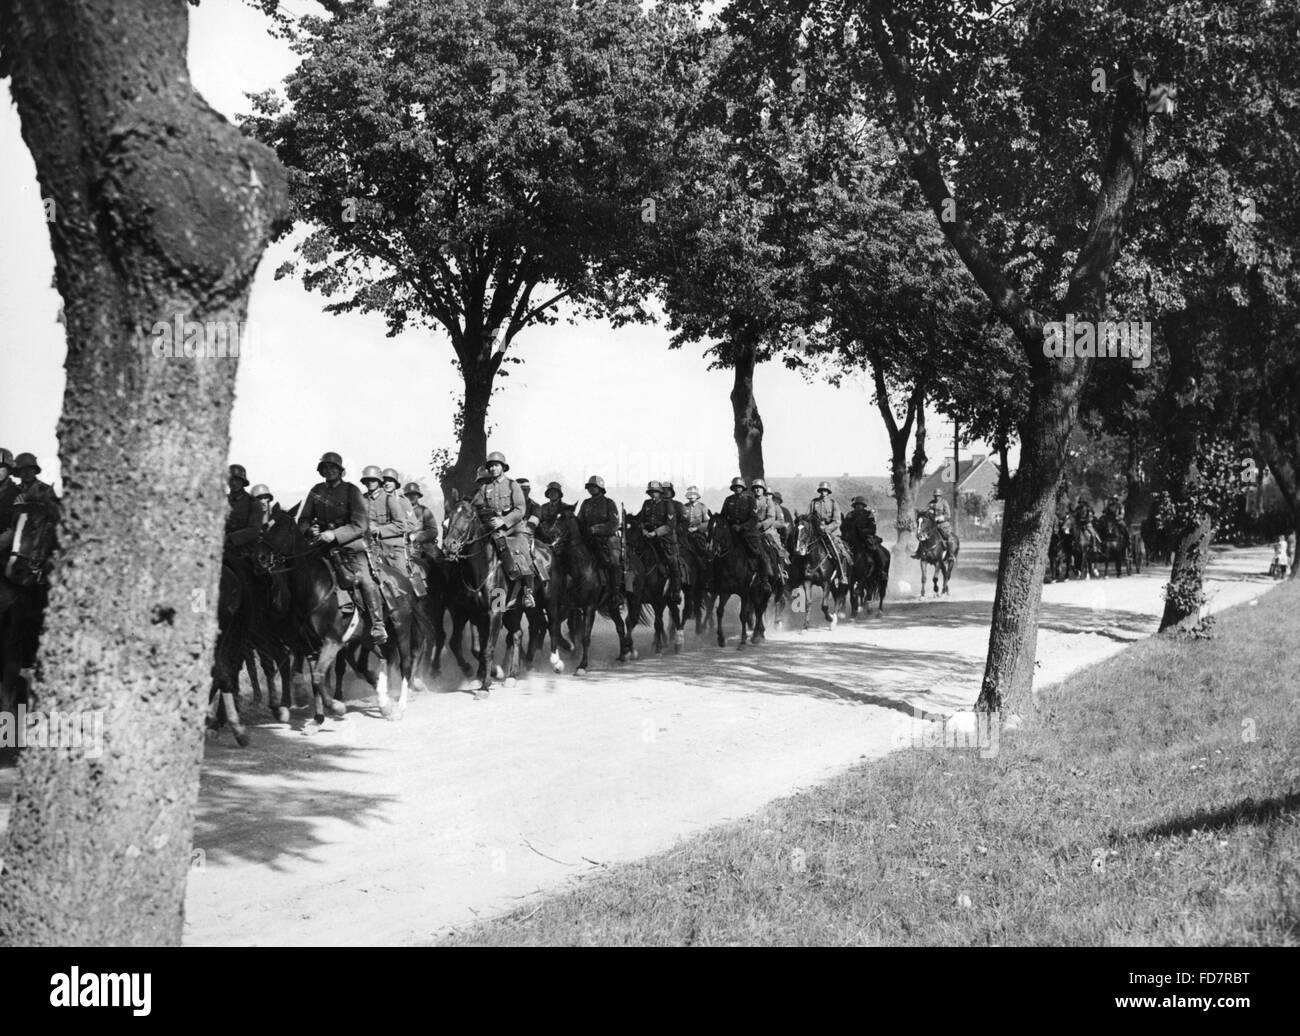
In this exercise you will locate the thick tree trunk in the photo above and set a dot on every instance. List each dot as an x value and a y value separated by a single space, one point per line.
479 372
1184 594
905 478
163 210
748 423
1026 533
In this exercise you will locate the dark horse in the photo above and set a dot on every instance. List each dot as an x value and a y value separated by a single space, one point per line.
1114 545
24 594
1060 550
325 627
1084 550
479 579
654 587
870 575
815 564
579 592
694 550
934 552
735 572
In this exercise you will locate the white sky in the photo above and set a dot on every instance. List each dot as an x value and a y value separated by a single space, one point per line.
588 399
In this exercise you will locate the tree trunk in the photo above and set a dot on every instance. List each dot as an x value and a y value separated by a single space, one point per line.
1184 594
905 479
479 373
748 423
162 211
1284 474
1026 533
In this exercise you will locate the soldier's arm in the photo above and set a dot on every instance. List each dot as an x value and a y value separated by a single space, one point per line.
251 531
518 506
358 521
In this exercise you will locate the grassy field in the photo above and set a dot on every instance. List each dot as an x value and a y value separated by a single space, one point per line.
1151 800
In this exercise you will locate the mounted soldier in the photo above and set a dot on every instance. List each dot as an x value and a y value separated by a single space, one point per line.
658 518
1115 512
424 539
8 489
860 526
696 516
941 519
784 522
599 522
738 511
551 512
1084 517
532 518
501 507
243 518
825 515
334 514
262 494
765 516
387 519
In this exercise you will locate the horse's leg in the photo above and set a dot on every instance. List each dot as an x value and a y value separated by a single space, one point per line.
746 617
487 666
675 617
250 666
513 622
588 621
721 607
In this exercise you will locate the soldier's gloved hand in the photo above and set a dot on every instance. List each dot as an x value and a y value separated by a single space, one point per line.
497 523
326 537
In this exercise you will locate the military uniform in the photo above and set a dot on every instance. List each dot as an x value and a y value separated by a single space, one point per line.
738 511
243 522
826 518
765 517
8 492
658 520
502 498
388 526
341 509
859 527
425 534
598 520
548 517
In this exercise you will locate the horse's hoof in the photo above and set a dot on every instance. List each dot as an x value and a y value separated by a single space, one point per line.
419 685
557 663
582 672
498 673
241 740
337 708
386 709
395 715
722 642
481 694
510 683
312 726
635 654
282 714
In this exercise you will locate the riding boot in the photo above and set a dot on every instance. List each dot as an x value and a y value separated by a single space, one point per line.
616 586
374 604
529 600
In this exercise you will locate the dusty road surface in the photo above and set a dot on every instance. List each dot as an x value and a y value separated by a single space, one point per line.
377 832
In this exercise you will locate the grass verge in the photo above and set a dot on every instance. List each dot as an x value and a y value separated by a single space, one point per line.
1153 799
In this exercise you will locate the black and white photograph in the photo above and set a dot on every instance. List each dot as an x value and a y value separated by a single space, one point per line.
649 473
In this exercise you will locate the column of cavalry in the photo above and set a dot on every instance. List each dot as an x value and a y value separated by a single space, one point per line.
364 577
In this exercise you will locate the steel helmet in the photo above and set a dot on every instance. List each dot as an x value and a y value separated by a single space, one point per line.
499 458
654 487
597 482
482 475
692 493
236 470
524 483
936 495
329 458
668 488
860 500
554 487
372 472
776 496
823 487
26 460
412 489
737 483
260 491
758 483
392 473
6 458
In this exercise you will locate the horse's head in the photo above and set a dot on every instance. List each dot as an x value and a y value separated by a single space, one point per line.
35 540
803 534
280 541
462 529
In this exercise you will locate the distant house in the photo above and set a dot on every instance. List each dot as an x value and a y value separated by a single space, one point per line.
978 474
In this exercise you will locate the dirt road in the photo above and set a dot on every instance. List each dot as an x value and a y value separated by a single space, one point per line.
373 832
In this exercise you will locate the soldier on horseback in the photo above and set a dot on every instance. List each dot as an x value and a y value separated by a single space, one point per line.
386 515
1083 520
784 522
262 494
8 490
599 521
334 514
825 515
244 518
424 538
658 518
941 520
502 506
696 516
740 514
31 496
550 513
765 514
860 525
532 518
1115 512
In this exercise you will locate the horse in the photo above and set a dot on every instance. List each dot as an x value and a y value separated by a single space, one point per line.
694 551
655 587
814 563
1114 545
579 591
324 627
492 600
1060 553
1083 550
869 577
735 572
934 552
24 595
